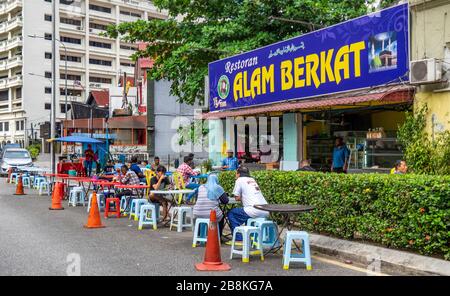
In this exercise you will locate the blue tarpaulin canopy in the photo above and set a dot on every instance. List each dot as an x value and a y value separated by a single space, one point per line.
78 139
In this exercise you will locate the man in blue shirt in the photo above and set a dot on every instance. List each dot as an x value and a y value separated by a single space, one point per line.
230 163
135 168
341 155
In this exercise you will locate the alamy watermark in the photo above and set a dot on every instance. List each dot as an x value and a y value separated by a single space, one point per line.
74 264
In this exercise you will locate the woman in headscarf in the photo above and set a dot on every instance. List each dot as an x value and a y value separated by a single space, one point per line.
208 198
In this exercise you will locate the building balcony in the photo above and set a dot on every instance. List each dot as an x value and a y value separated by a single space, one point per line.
11 24
74 66
102 15
74 46
71 9
10 5
11 43
102 69
71 29
128 18
3 83
11 63
15 81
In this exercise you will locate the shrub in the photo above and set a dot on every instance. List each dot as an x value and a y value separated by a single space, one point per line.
34 150
399 211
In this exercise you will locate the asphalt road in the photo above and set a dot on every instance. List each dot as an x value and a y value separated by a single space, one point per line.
36 241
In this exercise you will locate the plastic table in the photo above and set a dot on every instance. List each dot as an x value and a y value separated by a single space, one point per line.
139 189
170 195
288 213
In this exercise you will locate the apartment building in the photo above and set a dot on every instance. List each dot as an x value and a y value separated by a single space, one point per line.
94 62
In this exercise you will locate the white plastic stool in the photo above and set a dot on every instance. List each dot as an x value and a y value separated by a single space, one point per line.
26 181
145 218
77 197
179 218
200 234
43 185
135 207
247 250
305 257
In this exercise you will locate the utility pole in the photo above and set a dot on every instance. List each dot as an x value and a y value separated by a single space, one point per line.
53 104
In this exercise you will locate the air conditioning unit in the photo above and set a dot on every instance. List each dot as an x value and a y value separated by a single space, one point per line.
425 71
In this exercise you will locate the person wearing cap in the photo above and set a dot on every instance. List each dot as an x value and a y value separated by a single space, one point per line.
230 163
248 192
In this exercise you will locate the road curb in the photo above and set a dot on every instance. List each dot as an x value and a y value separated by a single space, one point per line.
379 259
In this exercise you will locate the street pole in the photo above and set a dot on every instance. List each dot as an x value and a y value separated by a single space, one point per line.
53 104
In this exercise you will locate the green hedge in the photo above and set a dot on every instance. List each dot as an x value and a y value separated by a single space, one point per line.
406 212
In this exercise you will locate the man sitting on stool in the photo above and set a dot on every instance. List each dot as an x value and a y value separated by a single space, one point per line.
128 177
247 191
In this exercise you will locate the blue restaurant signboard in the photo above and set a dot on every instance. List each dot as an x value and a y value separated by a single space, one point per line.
368 51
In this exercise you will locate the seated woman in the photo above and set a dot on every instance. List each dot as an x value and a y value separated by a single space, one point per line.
160 182
208 198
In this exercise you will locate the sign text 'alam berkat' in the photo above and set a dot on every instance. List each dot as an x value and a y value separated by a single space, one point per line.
368 51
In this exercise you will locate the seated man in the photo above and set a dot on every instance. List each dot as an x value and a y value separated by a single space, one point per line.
187 172
135 168
127 177
155 164
108 169
247 191
160 182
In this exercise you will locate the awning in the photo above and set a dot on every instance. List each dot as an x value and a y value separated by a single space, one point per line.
385 95
76 139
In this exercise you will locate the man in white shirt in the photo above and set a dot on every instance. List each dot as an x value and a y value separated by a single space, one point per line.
247 191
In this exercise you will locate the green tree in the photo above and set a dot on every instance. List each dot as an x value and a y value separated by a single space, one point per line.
423 154
198 32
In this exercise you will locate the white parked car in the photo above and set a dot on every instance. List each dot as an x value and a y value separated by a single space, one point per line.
14 157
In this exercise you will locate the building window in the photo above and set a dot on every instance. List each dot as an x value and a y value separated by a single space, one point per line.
20 125
19 93
100 62
70 77
129 13
48 75
48 36
4 96
6 126
71 40
48 90
70 92
48 55
71 59
99 8
63 108
48 106
128 47
100 80
69 21
98 26
48 17
100 44
127 64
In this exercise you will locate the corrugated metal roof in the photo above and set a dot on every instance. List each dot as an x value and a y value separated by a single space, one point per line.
396 94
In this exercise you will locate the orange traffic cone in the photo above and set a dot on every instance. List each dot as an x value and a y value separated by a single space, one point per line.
212 261
19 187
56 197
94 220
